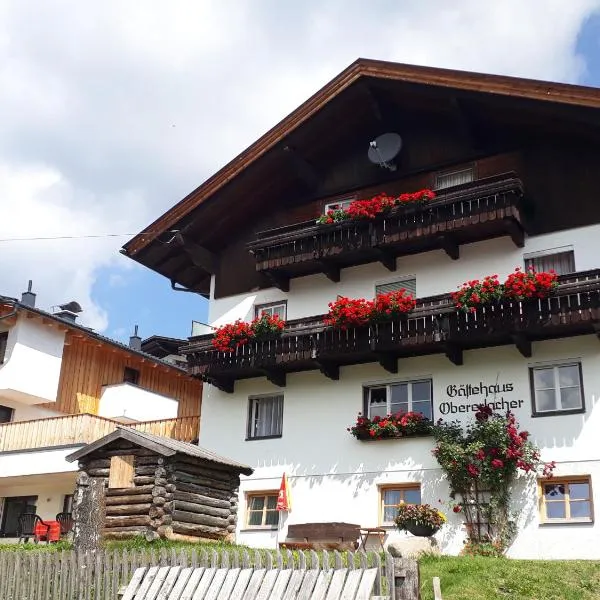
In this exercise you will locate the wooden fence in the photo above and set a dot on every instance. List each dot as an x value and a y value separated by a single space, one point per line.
84 429
39 575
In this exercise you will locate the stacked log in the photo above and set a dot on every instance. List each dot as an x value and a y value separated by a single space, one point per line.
177 497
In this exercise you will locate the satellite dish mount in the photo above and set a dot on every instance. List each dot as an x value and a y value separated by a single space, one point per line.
384 149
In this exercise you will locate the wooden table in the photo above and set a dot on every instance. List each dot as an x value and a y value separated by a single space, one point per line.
366 532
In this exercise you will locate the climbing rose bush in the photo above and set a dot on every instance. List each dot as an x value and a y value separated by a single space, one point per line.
372 207
490 452
232 336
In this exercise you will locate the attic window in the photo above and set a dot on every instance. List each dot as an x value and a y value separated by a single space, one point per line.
448 179
131 376
342 203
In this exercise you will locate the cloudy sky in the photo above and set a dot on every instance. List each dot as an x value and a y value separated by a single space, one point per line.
112 111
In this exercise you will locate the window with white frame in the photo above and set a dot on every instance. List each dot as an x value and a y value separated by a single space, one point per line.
342 203
560 262
566 500
448 179
265 417
557 389
272 309
406 396
262 510
407 283
392 495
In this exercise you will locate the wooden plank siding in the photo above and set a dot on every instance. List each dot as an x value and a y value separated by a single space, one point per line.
87 365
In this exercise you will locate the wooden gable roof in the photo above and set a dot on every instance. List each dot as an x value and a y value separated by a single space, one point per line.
206 214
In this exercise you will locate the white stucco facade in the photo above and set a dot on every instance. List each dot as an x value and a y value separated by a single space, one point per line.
32 345
334 477
135 403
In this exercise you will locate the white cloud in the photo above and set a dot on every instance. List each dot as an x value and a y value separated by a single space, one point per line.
113 111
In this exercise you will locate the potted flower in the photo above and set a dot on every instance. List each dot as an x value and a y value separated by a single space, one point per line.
393 305
349 312
477 292
230 337
398 425
523 285
421 520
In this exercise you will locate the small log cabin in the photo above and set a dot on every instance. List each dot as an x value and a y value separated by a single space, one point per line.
161 488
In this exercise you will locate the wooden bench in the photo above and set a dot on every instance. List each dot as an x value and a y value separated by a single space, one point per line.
322 536
177 583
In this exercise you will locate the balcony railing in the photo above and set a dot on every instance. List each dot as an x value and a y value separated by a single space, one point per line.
84 429
434 327
472 212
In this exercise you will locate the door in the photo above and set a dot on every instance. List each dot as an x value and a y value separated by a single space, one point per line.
13 508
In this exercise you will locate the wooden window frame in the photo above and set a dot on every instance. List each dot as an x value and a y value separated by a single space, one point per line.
544 520
394 486
259 494
3 345
258 308
249 426
551 413
136 377
387 385
11 413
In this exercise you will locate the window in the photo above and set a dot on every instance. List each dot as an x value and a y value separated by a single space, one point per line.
3 342
131 375
272 309
392 496
557 389
566 500
409 284
408 396
560 262
262 510
265 417
121 472
6 414
448 179
68 504
339 204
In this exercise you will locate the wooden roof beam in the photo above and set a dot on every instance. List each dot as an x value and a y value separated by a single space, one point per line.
200 256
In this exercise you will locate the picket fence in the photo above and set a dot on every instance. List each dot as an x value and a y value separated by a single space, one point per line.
39 575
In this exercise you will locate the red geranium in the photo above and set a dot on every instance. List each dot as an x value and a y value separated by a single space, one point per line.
390 426
476 292
520 284
372 207
393 304
232 336
349 312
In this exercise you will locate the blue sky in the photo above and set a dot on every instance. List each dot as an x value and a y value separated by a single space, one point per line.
113 111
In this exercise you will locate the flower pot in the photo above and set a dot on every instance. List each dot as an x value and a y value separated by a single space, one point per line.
420 530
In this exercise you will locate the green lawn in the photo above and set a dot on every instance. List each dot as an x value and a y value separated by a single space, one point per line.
480 578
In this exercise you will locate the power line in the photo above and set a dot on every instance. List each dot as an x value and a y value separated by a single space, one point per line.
81 237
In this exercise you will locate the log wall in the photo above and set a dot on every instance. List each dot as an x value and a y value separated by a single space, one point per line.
177 497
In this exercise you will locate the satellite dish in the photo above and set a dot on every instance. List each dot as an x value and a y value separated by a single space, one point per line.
384 149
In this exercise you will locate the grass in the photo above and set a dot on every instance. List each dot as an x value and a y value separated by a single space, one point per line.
482 578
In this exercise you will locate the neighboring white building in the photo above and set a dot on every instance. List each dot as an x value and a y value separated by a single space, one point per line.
62 386
284 406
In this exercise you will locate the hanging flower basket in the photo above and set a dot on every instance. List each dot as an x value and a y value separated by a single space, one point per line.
420 530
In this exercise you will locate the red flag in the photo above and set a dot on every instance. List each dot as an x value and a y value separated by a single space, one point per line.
284 501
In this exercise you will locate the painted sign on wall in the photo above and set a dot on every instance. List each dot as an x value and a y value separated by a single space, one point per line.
465 397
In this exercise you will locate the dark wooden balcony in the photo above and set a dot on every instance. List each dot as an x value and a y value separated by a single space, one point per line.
476 211
434 327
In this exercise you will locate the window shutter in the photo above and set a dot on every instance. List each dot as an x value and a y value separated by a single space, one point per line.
560 262
121 472
410 285
452 178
